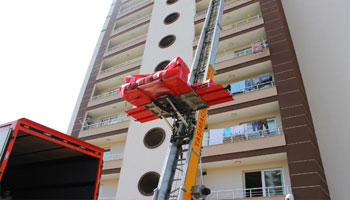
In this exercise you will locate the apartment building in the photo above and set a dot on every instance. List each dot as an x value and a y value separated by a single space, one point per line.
262 144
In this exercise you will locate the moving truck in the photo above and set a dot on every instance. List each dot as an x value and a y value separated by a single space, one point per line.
38 162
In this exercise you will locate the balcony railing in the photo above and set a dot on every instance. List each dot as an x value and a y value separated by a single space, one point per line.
125 9
250 193
116 156
244 21
242 136
240 53
120 65
107 122
105 94
126 42
252 88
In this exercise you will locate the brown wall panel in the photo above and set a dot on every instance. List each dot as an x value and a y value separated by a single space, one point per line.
295 112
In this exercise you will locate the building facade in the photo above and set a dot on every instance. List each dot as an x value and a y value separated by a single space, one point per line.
262 144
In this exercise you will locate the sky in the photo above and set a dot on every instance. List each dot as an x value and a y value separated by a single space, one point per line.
45 50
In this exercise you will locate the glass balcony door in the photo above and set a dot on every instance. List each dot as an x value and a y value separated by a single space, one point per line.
264 183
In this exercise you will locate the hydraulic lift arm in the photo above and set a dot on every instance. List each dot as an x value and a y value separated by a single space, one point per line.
180 167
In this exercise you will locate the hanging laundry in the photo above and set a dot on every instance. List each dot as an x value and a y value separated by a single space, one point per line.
216 136
263 123
227 135
257 46
255 125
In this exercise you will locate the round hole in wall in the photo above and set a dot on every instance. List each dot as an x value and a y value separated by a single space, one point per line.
148 182
167 41
169 2
171 18
162 65
154 138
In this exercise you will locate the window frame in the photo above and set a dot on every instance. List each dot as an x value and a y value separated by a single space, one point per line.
263 179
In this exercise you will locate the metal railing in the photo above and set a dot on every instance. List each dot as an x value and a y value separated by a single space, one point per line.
106 122
250 192
122 64
239 53
115 156
244 21
242 136
125 9
105 94
130 23
252 88
126 42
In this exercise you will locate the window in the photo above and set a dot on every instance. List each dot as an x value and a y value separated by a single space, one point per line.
154 138
264 183
167 41
148 182
171 18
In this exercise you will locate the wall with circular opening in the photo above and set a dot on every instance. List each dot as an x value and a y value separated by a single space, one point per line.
171 18
167 41
154 138
162 65
148 182
169 2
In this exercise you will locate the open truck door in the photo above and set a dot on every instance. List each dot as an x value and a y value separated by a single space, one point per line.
38 162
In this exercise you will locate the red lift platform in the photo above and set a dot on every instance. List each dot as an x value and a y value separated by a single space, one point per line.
166 92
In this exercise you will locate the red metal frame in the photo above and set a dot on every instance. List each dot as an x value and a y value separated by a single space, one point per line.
68 142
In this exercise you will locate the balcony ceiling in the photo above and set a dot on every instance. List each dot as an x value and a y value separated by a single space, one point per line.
129 35
241 114
123 57
112 83
112 109
134 16
279 157
243 73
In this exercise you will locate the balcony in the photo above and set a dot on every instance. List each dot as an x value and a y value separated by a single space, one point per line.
237 26
244 136
126 44
134 15
112 161
129 6
99 130
110 157
105 94
202 7
112 120
239 53
125 66
137 22
266 193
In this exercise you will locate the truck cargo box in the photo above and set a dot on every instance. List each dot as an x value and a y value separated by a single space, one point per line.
38 162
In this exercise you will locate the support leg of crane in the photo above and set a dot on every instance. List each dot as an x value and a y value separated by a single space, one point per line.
177 112
167 122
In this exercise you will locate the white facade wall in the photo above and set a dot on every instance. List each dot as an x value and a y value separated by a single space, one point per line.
138 159
320 31
232 178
